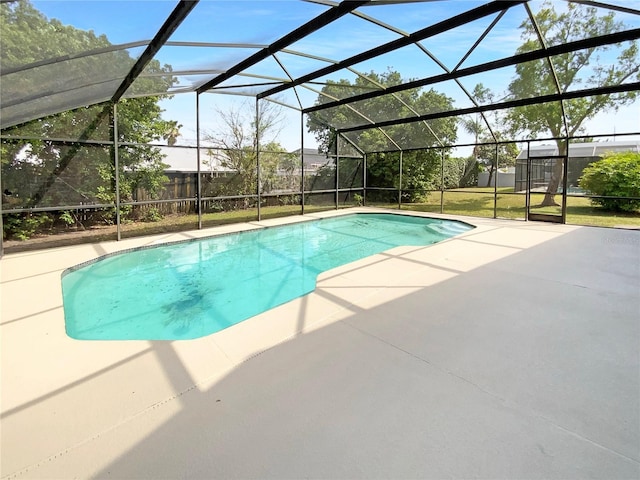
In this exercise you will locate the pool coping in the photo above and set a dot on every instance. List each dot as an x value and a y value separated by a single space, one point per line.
264 227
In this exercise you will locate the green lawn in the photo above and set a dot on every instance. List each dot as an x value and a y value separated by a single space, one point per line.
176 223
478 202
474 202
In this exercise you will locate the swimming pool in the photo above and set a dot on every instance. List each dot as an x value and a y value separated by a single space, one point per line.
195 288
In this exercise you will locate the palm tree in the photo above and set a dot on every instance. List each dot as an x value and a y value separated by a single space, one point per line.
172 132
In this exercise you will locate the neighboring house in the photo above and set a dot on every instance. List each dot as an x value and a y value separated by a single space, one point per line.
580 155
182 168
184 160
182 171
312 159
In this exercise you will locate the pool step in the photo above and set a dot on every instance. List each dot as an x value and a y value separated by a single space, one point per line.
447 228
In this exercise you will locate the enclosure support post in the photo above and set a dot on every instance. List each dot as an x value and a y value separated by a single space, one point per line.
1 220
364 180
198 162
258 155
116 164
442 181
495 185
337 157
400 183
302 163
565 171
527 199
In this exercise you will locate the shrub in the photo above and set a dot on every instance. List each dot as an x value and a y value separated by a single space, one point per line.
24 225
616 175
152 214
460 172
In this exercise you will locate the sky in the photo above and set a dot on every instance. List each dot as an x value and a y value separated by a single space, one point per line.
262 22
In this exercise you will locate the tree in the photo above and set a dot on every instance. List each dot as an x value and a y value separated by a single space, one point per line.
485 151
172 132
421 169
51 173
574 68
460 172
494 157
239 134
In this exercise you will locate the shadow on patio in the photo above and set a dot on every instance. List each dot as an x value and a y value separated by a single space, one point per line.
526 366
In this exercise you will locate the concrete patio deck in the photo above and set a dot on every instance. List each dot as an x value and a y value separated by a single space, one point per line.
511 351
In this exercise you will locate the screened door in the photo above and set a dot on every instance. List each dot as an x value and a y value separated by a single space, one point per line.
545 188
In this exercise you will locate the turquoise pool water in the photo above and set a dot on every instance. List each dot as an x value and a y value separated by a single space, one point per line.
192 289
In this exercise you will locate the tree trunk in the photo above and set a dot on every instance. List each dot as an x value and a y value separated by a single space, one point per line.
556 177
490 175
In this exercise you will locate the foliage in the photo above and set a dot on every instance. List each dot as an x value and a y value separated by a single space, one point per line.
460 202
324 178
421 172
616 175
460 172
152 214
23 226
583 69
420 168
235 149
485 152
492 157
44 172
402 104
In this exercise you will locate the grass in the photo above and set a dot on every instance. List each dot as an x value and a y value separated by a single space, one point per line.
168 224
474 202
176 223
478 202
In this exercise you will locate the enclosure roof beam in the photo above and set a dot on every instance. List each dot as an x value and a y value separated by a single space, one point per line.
445 25
174 20
583 44
608 6
308 28
555 97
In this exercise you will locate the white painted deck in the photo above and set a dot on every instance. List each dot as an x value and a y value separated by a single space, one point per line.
512 351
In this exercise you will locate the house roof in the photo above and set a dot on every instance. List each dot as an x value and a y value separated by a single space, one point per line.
583 150
185 160
311 156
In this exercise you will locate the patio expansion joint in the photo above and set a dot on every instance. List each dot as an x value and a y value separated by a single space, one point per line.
585 439
425 361
505 402
285 339
549 279
96 436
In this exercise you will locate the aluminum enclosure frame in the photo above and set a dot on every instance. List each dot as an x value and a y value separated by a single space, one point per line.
334 12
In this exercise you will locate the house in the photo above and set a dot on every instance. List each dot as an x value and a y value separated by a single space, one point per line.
182 161
312 159
182 169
